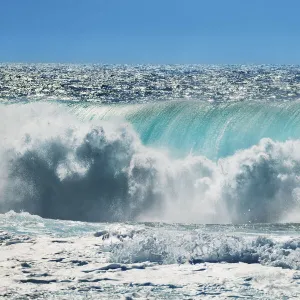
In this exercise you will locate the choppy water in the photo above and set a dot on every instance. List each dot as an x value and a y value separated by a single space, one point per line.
144 83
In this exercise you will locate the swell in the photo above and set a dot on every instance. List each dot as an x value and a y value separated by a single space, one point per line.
57 166
212 130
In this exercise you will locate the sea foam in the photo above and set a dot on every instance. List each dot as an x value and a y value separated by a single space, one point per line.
57 166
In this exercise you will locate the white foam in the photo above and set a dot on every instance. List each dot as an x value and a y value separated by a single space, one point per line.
56 166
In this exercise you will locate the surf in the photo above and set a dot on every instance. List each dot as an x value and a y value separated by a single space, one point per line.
78 163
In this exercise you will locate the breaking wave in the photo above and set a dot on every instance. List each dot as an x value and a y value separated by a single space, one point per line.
57 166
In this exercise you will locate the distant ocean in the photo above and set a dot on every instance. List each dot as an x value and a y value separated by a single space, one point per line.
149 181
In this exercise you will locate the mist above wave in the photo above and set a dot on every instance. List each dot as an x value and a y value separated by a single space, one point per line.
56 166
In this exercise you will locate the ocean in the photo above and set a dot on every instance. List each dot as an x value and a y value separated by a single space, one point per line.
149 181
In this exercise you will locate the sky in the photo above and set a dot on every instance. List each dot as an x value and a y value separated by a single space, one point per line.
151 31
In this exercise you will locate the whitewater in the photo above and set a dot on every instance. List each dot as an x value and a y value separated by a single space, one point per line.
152 182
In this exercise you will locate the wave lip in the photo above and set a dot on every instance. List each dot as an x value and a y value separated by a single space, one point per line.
212 130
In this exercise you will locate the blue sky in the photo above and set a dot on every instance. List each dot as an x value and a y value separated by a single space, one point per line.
156 31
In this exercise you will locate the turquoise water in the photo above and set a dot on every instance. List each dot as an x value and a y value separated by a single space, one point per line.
212 130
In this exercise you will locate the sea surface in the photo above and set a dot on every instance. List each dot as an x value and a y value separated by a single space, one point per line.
149 181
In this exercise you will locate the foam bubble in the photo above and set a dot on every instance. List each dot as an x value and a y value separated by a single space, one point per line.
169 247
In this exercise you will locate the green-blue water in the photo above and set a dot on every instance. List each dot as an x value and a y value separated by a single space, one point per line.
213 130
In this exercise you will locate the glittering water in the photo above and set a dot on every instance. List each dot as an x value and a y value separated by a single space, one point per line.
144 83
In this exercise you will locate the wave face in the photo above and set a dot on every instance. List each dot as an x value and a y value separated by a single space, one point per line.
212 130
56 165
